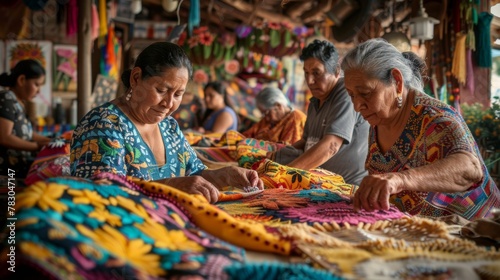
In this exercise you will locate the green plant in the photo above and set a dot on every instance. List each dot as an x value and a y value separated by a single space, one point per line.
485 127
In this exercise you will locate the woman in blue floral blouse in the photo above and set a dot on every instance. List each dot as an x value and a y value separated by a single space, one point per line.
134 135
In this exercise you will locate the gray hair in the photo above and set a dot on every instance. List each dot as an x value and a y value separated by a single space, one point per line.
269 96
376 58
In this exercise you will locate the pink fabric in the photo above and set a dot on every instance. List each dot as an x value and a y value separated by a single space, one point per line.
72 18
94 23
52 161
470 72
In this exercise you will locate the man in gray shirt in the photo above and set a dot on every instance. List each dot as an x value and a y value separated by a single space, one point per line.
335 136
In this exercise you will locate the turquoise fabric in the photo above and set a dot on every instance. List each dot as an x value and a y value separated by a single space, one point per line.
483 40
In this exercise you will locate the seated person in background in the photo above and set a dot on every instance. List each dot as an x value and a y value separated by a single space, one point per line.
191 110
335 136
18 141
135 135
219 117
422 156
280 122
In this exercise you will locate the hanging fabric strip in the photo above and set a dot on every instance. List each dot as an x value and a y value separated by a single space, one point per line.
103 20
72 18
194 15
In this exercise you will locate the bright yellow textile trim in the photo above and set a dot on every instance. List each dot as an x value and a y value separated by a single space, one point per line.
211 219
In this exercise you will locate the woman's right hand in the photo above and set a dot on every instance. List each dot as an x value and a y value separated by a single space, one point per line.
43 143
194 185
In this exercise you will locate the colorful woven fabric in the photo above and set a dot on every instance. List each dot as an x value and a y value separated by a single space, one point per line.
251 150
78 229
218 154
282 206
433 131
52 161
272 271
275 175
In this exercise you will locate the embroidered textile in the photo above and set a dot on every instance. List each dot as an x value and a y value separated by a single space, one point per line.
288 130
75 228
51 161
275 175
282 206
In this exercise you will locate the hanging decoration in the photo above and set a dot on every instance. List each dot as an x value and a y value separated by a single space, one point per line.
194 15
258 64
272 38
207 48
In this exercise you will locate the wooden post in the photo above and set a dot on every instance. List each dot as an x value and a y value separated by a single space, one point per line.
84 84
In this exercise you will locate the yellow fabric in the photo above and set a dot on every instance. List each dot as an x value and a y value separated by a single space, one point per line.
213 220
275 175
103 19
459 66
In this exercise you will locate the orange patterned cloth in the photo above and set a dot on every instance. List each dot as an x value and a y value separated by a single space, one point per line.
275 175
289 130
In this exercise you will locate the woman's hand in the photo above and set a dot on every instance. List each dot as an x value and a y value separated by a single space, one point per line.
233 176
199 129
194 185
374 191
42 143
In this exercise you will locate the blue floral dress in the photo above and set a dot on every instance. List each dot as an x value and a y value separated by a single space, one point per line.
105 140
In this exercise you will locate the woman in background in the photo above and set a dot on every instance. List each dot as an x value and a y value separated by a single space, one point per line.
190 113
18 141
280 122
219 117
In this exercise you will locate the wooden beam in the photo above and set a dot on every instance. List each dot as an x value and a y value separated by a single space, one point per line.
318 12
267 15
294 10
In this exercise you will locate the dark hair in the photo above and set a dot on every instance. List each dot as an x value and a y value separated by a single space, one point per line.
417 65
30 68
325 52
219 87
157 57
371 57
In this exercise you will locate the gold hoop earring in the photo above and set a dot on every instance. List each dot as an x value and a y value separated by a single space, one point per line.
129 95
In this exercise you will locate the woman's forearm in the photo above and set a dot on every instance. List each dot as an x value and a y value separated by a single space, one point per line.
318 154
40 138
455 173
13 142
300 145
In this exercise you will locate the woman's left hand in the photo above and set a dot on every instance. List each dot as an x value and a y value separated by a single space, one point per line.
234 176
374 191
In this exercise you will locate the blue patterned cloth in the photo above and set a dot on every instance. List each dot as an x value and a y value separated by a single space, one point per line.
105 140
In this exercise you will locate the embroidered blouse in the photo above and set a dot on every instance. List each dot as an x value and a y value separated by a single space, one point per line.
105 140
433 132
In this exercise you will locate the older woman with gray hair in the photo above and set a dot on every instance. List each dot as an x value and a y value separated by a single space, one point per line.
280 122
422 156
